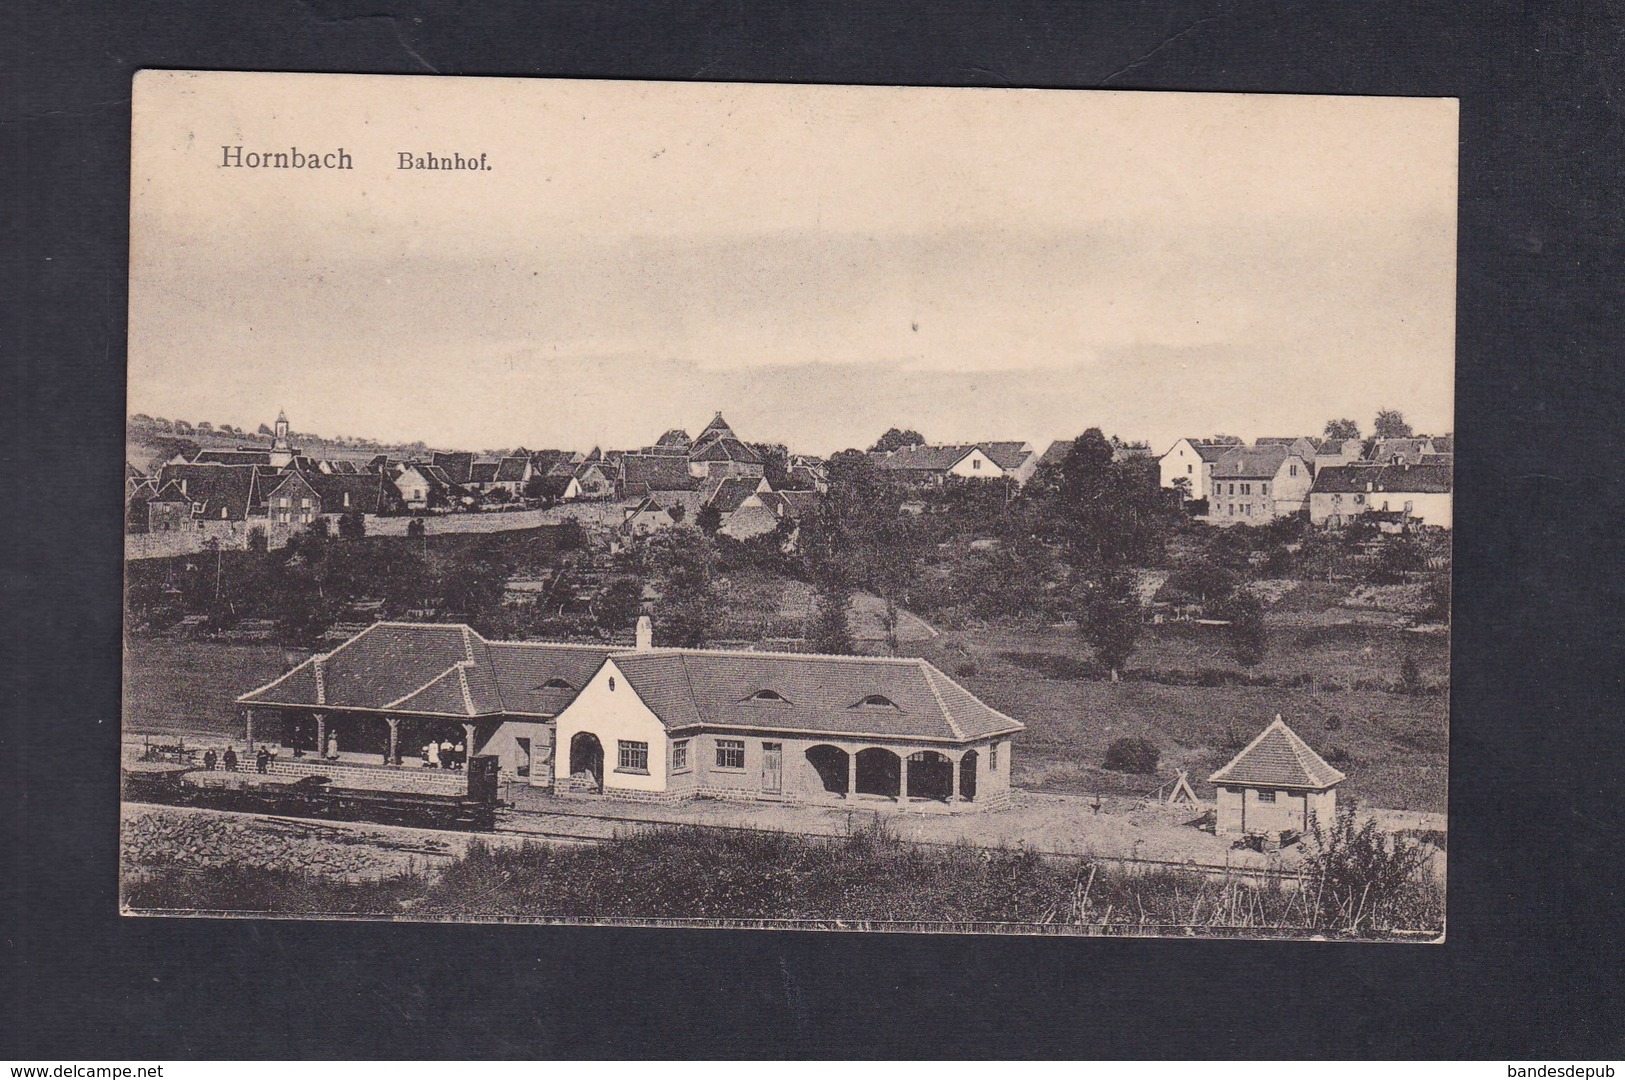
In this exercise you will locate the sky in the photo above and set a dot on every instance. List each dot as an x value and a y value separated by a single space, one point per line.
818 263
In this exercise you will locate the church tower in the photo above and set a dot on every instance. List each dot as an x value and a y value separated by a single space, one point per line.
281 453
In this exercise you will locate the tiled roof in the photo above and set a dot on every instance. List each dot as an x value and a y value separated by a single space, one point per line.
1249 463
1400 479
511 470
366 492
398 666
821 694
674 437
232 457
728 493
726 448
1009 456
927 458
216 487
523 670
654 472
446 669
1278 758
1407 449
482 472
457 465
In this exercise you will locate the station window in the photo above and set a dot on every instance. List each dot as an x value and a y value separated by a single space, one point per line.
730 753
679 756
634 756
993 758
1266 796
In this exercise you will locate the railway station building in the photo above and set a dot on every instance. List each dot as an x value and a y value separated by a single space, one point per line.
646 723
1277 783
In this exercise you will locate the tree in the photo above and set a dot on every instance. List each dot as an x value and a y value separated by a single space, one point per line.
265 430
1390 424
775 463
618 605
896 439
1342 429
318 530
830 632
256 540
1248 637
414 528
1109 618
352 526
709 519
683 560
1108 513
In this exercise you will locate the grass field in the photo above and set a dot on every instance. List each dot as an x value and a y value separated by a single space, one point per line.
173 684
1394 747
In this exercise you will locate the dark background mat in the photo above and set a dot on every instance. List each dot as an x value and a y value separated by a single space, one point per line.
1531 967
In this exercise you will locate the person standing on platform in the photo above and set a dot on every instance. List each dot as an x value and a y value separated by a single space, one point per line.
459 754
431 755
445 753
333 747
209 760
230 759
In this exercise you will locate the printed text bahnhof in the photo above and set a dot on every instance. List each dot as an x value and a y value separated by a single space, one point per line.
238 157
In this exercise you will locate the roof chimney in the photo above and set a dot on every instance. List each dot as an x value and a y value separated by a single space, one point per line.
646 634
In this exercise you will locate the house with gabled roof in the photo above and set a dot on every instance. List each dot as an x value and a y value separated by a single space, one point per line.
724 455
936 465
1423 494
459 465
643 473
1254 485
1192 461
648 723
1276 784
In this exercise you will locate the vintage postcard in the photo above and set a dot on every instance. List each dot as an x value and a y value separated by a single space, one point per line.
859 508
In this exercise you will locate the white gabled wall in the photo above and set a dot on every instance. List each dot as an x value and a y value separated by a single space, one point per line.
976 466
613 715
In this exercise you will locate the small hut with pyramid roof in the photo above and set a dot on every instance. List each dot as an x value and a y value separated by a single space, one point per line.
1277 783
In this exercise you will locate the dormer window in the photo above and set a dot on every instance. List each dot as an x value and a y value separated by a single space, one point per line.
876 701
771 696
557 684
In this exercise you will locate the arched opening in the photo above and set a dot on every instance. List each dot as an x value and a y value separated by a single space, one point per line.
930 776
967 776
587 758
831 763
880 772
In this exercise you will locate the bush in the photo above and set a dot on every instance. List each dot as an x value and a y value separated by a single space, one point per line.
414 527
1132 755
965 669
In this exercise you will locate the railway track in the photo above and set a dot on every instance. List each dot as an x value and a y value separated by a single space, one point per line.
581 830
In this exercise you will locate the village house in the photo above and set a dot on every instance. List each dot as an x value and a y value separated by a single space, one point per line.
1422 493
1400 451
1192 461
1302 445
1334 452
935 465
643 473
1276 784
1256 485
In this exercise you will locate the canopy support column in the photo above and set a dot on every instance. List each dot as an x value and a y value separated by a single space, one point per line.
902 779
851 774
248 727
394 723
321 736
